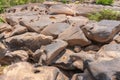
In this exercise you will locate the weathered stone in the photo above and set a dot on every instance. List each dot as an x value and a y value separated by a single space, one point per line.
92 47
18 30
64 61
55 29
102 31
79 20
74 36
42 21
117 38
108 52
77 49
3 50
25 71
53 50
29 38
109 69
61 9
5 27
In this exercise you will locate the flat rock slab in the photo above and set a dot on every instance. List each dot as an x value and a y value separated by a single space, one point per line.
42 21
30 40
55 29
53 50
108 52
102 31
74 36
26 71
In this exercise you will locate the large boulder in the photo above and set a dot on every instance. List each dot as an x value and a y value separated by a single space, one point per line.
42 21
53 50
55 29
26 71
61 9
29 38
74 36
108 52
102 31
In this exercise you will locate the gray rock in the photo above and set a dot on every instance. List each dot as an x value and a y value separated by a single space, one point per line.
102 31
55 29
29 38
61 9
3 50
53 50
28 72
74 36
108 52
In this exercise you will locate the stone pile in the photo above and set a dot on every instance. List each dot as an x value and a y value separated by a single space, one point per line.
52 42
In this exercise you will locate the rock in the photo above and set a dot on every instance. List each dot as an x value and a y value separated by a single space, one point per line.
92 47
105 70
77 49
42 21
18 30
29 38
102 31
108 52
53 50
5 27
18 55
3 50
117 38
74 36
25 71
55 29
64 61
79 20
61 9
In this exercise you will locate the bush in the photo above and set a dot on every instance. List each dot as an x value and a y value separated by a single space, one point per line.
105 14
104 2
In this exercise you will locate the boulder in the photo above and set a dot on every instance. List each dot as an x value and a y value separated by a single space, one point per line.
5 27
102 31
53 50
55 29
42 21
74 36
64 61
77 49
29 38
25 71
18 29
108 52
61 9
78 20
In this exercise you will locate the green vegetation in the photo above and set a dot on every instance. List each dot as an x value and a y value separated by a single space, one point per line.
104 2
104 14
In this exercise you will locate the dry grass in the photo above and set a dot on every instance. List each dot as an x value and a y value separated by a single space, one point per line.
1 69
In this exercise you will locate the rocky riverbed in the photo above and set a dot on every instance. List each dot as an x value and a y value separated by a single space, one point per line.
55 41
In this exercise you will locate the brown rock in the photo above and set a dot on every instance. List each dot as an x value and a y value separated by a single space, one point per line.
3 50
74 36
117 38
92 47
102 31
42 21
5 27
29 38
55 29
77 49
61 9
25 71
108 52
54 49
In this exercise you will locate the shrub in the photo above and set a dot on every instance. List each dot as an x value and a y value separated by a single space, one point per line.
104 2
104 14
